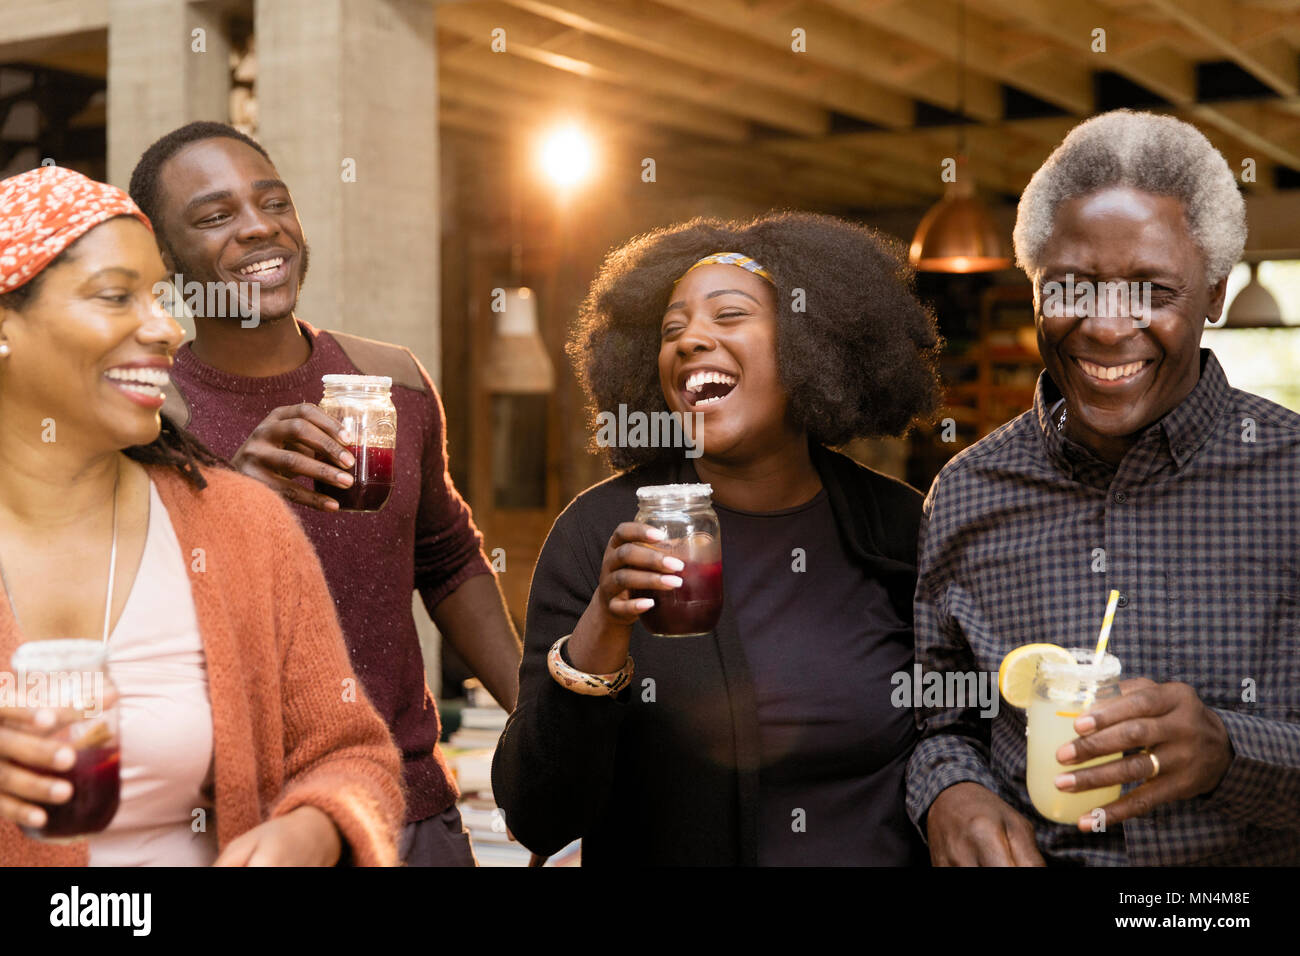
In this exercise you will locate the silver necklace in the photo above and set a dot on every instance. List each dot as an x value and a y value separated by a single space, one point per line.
112 556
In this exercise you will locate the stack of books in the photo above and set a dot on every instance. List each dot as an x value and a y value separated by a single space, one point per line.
469 751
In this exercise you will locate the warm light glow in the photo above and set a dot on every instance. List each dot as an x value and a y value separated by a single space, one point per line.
566 155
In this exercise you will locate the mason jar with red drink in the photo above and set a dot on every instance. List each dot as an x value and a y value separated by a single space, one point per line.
363 405
685 513
73 675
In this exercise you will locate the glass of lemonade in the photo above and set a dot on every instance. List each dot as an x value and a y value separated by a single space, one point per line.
1063 692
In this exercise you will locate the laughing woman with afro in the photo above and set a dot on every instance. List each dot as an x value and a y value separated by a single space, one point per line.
770 740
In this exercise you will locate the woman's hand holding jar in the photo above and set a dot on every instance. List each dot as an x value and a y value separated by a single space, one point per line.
26 750
600 641
69 702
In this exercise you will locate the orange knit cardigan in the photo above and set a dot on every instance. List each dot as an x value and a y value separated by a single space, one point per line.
291 724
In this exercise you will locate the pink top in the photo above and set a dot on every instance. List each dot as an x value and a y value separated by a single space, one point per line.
155 656
285 734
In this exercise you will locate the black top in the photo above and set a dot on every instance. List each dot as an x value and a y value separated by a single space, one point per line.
668 771
821 641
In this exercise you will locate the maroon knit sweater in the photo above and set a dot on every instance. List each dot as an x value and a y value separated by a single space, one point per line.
424 538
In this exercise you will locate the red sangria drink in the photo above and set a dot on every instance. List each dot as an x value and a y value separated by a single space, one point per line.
693 608
685 513
96 794
72 676
363 405
372 480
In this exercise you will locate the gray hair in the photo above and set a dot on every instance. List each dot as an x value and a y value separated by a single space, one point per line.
1157 154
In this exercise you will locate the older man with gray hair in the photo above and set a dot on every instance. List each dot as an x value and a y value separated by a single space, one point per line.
1140 470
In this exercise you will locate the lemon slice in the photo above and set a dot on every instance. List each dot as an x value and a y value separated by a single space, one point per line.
1016 675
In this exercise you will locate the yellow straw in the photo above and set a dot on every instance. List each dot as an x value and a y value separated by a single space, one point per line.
1100 653
1104 636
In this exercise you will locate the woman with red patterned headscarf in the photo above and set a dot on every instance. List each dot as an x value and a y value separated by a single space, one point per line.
236 697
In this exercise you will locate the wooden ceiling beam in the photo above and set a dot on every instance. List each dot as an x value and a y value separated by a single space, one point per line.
925 150
935 25
625 50
1275 63
1246 123
1071 25
1165 72
905 179
669 34
674 159
1256 24
463 57
815 178
854 47
566 49
559 94
491 167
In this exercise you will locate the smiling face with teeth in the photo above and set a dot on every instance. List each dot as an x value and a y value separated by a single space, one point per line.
717 358
91 347
1118 378
227 217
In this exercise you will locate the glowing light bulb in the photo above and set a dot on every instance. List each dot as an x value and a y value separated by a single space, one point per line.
566 155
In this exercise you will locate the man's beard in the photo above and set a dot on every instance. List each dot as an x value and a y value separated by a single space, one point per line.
193 272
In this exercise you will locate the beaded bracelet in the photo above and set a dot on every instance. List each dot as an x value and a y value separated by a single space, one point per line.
593 685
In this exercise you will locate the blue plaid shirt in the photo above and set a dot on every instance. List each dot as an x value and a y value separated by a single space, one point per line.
1023 536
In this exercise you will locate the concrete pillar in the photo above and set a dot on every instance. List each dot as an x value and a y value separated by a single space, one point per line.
347 99
168 64
348 108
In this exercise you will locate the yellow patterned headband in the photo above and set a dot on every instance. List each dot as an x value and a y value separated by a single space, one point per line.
732 259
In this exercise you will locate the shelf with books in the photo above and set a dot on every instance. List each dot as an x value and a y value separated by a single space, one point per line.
469 753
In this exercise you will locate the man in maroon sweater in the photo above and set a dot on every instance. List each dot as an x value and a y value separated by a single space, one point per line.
249 388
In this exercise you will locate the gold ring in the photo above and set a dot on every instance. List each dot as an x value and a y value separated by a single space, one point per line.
1155 765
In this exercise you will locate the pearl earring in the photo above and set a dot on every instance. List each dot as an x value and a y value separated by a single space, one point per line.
4 349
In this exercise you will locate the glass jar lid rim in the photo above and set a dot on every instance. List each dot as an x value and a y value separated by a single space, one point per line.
1111 666
382 381
674 491
61 652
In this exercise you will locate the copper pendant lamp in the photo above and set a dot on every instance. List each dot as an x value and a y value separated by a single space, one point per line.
958 234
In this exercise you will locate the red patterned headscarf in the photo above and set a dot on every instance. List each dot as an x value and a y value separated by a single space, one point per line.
47 209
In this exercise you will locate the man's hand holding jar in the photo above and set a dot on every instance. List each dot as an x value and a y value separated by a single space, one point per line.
355 426
298 441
